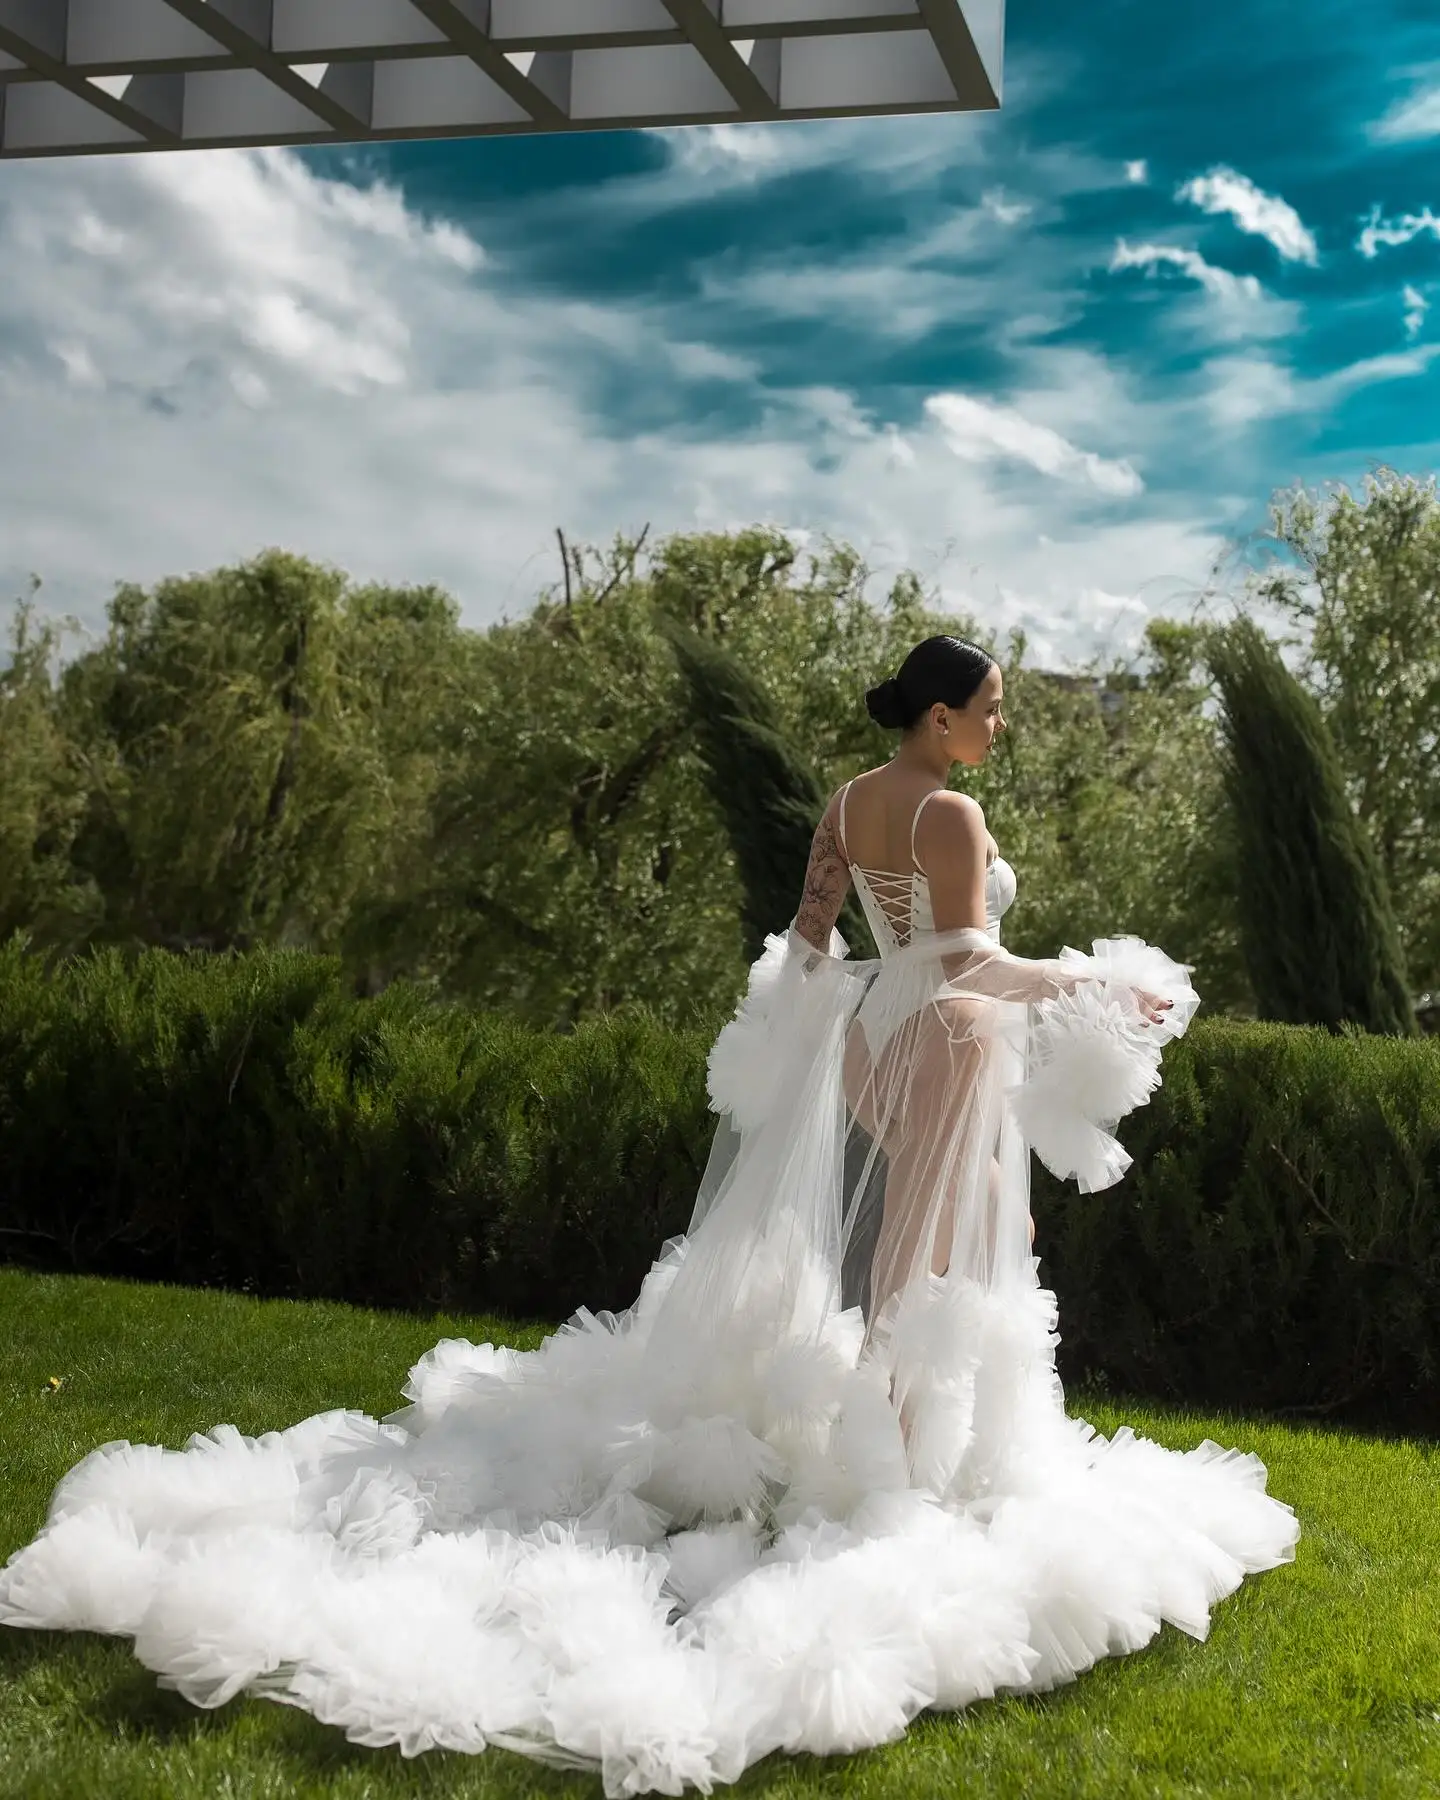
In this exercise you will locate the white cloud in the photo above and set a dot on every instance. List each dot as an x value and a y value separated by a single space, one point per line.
980 431
1220 282
1124 614
902 289
250 387
1206 303
1417 116
1416 307
95 236
1137 171
705 159
1399 366
1261 214
1055 592
886 296
273 277
940 272
1243 390
78 364
1006 212
1388 233
281 358
740 152
706 362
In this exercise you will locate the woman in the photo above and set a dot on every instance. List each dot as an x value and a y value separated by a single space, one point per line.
819 1477
954 879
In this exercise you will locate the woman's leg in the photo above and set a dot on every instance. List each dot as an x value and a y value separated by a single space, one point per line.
923 1138
913 1100
995 1207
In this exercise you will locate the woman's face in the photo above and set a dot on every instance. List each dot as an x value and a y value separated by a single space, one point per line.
975 726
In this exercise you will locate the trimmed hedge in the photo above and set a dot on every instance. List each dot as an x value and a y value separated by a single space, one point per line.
1277 1243
246 1122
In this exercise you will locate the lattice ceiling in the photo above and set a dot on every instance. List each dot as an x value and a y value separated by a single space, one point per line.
93 76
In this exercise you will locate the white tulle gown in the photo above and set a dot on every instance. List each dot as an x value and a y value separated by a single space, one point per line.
817 1479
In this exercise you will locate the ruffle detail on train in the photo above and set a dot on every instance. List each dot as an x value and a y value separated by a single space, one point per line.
1093 1058
663 1567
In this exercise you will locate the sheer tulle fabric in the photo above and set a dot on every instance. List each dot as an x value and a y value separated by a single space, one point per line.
818 1478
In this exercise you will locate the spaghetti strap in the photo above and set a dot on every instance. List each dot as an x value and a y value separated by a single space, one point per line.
844 843
915 821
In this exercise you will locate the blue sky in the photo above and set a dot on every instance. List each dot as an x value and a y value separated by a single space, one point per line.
1055 358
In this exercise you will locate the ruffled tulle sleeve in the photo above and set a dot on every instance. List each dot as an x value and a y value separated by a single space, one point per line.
753 1051
1094 1057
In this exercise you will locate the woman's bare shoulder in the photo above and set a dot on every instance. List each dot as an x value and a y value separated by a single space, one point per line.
957 807
951 819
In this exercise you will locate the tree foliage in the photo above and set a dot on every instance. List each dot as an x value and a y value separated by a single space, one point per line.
1107 796
578 857
765 792
1318 932
42 791
1359 575
525 815
254 748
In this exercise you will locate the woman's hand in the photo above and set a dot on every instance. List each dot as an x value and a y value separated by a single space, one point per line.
1152 1006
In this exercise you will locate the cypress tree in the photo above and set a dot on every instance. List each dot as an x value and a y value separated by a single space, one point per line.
768 794
1316 925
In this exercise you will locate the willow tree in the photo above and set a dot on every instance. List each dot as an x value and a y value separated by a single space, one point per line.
765 789
1316 924
245 737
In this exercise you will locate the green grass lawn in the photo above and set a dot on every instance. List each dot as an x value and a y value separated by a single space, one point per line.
1322 1678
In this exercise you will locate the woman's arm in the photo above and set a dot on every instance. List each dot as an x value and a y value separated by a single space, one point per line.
827 881
952 846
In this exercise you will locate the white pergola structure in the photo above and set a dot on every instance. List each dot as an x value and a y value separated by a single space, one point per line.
83 77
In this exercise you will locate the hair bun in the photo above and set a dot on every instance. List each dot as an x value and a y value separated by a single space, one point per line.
885 704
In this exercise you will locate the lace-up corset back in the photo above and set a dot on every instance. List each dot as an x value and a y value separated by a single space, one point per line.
897 907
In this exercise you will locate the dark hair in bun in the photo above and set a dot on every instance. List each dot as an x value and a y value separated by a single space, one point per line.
942 668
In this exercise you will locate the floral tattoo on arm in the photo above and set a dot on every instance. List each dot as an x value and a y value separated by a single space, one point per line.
826 879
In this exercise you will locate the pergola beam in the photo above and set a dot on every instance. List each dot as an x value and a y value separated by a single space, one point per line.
35 33
752 94
245 27
545 99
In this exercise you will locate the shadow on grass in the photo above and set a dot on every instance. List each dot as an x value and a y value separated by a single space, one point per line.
97 1681
1418 1424
92 1688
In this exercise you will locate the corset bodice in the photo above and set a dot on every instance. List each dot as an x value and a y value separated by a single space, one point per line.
897 907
